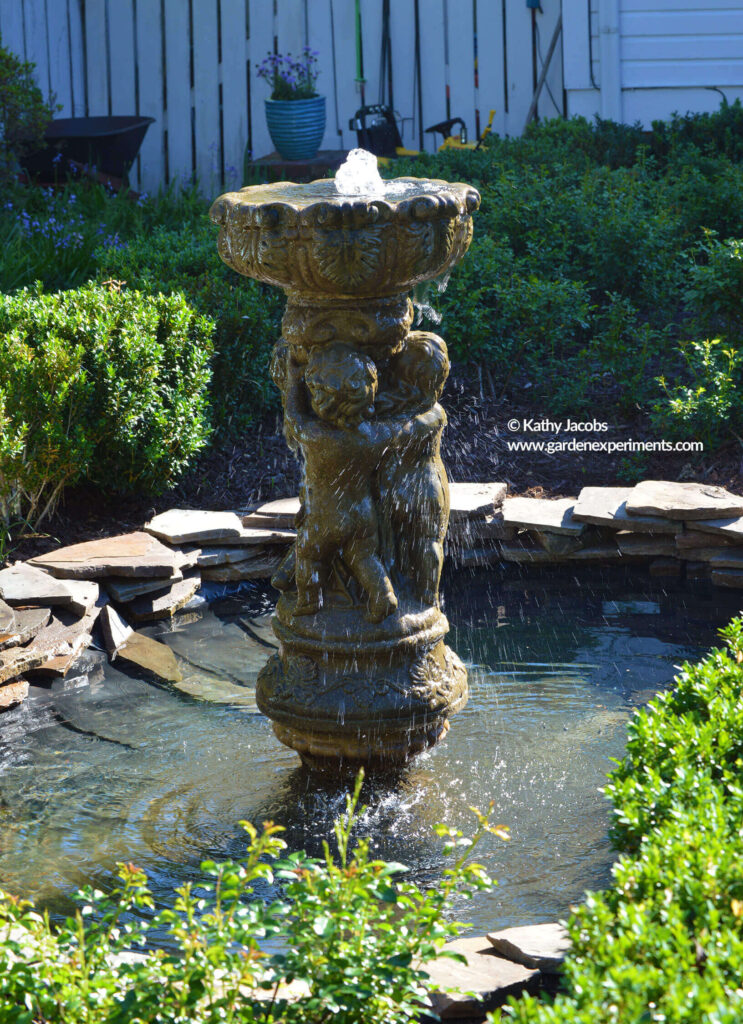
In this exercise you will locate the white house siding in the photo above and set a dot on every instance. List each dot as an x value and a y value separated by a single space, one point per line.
651 57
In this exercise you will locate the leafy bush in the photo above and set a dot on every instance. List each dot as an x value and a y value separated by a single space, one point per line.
247 314
24 114
97 383
666 943
355 940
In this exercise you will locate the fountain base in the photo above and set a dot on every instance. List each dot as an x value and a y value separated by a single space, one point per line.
377 700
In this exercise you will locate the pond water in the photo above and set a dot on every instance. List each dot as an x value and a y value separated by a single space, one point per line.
103 767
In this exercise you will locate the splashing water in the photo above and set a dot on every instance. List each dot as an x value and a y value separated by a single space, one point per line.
420 297
359 176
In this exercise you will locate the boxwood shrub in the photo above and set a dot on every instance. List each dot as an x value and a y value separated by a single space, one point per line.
666 942
100 384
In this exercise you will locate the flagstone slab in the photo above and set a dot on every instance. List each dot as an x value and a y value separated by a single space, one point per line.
690 539
561 544
725 559
211 557
28 622
249 569
115 631
84 593
473 557
150 657
531 553
252 536
273 514
25 584
646 544
475 501
730 527
164 605
491 978
131 554
13 694
7 618
606 552
183 526
487 527
66 643
727 578
126 588
607 506
540 946
685 501
546 515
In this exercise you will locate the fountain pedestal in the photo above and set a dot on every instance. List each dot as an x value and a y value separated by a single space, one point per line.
363 674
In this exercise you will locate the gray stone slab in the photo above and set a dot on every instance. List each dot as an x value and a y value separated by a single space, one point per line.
262 567
278 514
597 553
725 559
253 536
607 506
28 622
7 618
115 631
540 946
530 553
149 657
131 554
665 567
85 594
12 694
466 532
126 588
475 500
646 544
730 527
702 554
183 526
68 642
472 557
164 605
491 978
684 501
215 556
700 539
545 515
23 583
727 578
558 543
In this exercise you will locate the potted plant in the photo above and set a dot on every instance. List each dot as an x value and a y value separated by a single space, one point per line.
295 114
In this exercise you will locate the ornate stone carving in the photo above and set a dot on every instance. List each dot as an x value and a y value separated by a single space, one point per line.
362 672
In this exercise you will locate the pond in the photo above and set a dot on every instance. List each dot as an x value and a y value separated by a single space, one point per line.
103 767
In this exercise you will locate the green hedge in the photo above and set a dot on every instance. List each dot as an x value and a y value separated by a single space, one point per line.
247 314
666 942
98 384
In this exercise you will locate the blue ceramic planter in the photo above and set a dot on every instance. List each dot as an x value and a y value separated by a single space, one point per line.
296 127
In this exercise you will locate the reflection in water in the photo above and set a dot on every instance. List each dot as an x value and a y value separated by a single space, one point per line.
103 767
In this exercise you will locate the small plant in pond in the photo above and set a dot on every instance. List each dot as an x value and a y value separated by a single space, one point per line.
291 78
355 940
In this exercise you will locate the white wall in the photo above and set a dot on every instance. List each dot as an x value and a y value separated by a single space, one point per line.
651 58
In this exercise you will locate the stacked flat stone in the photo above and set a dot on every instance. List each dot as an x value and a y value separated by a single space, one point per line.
50 605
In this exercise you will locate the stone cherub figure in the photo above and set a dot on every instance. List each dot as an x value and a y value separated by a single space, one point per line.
342 448
414 490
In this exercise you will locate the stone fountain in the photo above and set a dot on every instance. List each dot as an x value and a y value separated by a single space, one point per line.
362 674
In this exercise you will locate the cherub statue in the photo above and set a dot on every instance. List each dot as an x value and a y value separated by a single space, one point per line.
342 450
413 486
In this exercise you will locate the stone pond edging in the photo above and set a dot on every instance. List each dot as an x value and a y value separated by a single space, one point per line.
51 606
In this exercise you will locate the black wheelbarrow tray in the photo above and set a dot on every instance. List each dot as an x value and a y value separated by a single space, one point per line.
108 144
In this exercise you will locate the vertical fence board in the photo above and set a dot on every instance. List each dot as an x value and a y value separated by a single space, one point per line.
289 27
433 72
321 27
206 96
11 26
96 59
35 29
402 33
462 63
490 57
371 38
520 73
178 90
260 43
77 58
349 96
122 73
60 73
234 89
150 94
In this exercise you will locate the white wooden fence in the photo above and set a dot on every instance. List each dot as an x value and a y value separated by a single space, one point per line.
191 65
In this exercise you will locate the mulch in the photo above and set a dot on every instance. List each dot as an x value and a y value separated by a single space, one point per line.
259 467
